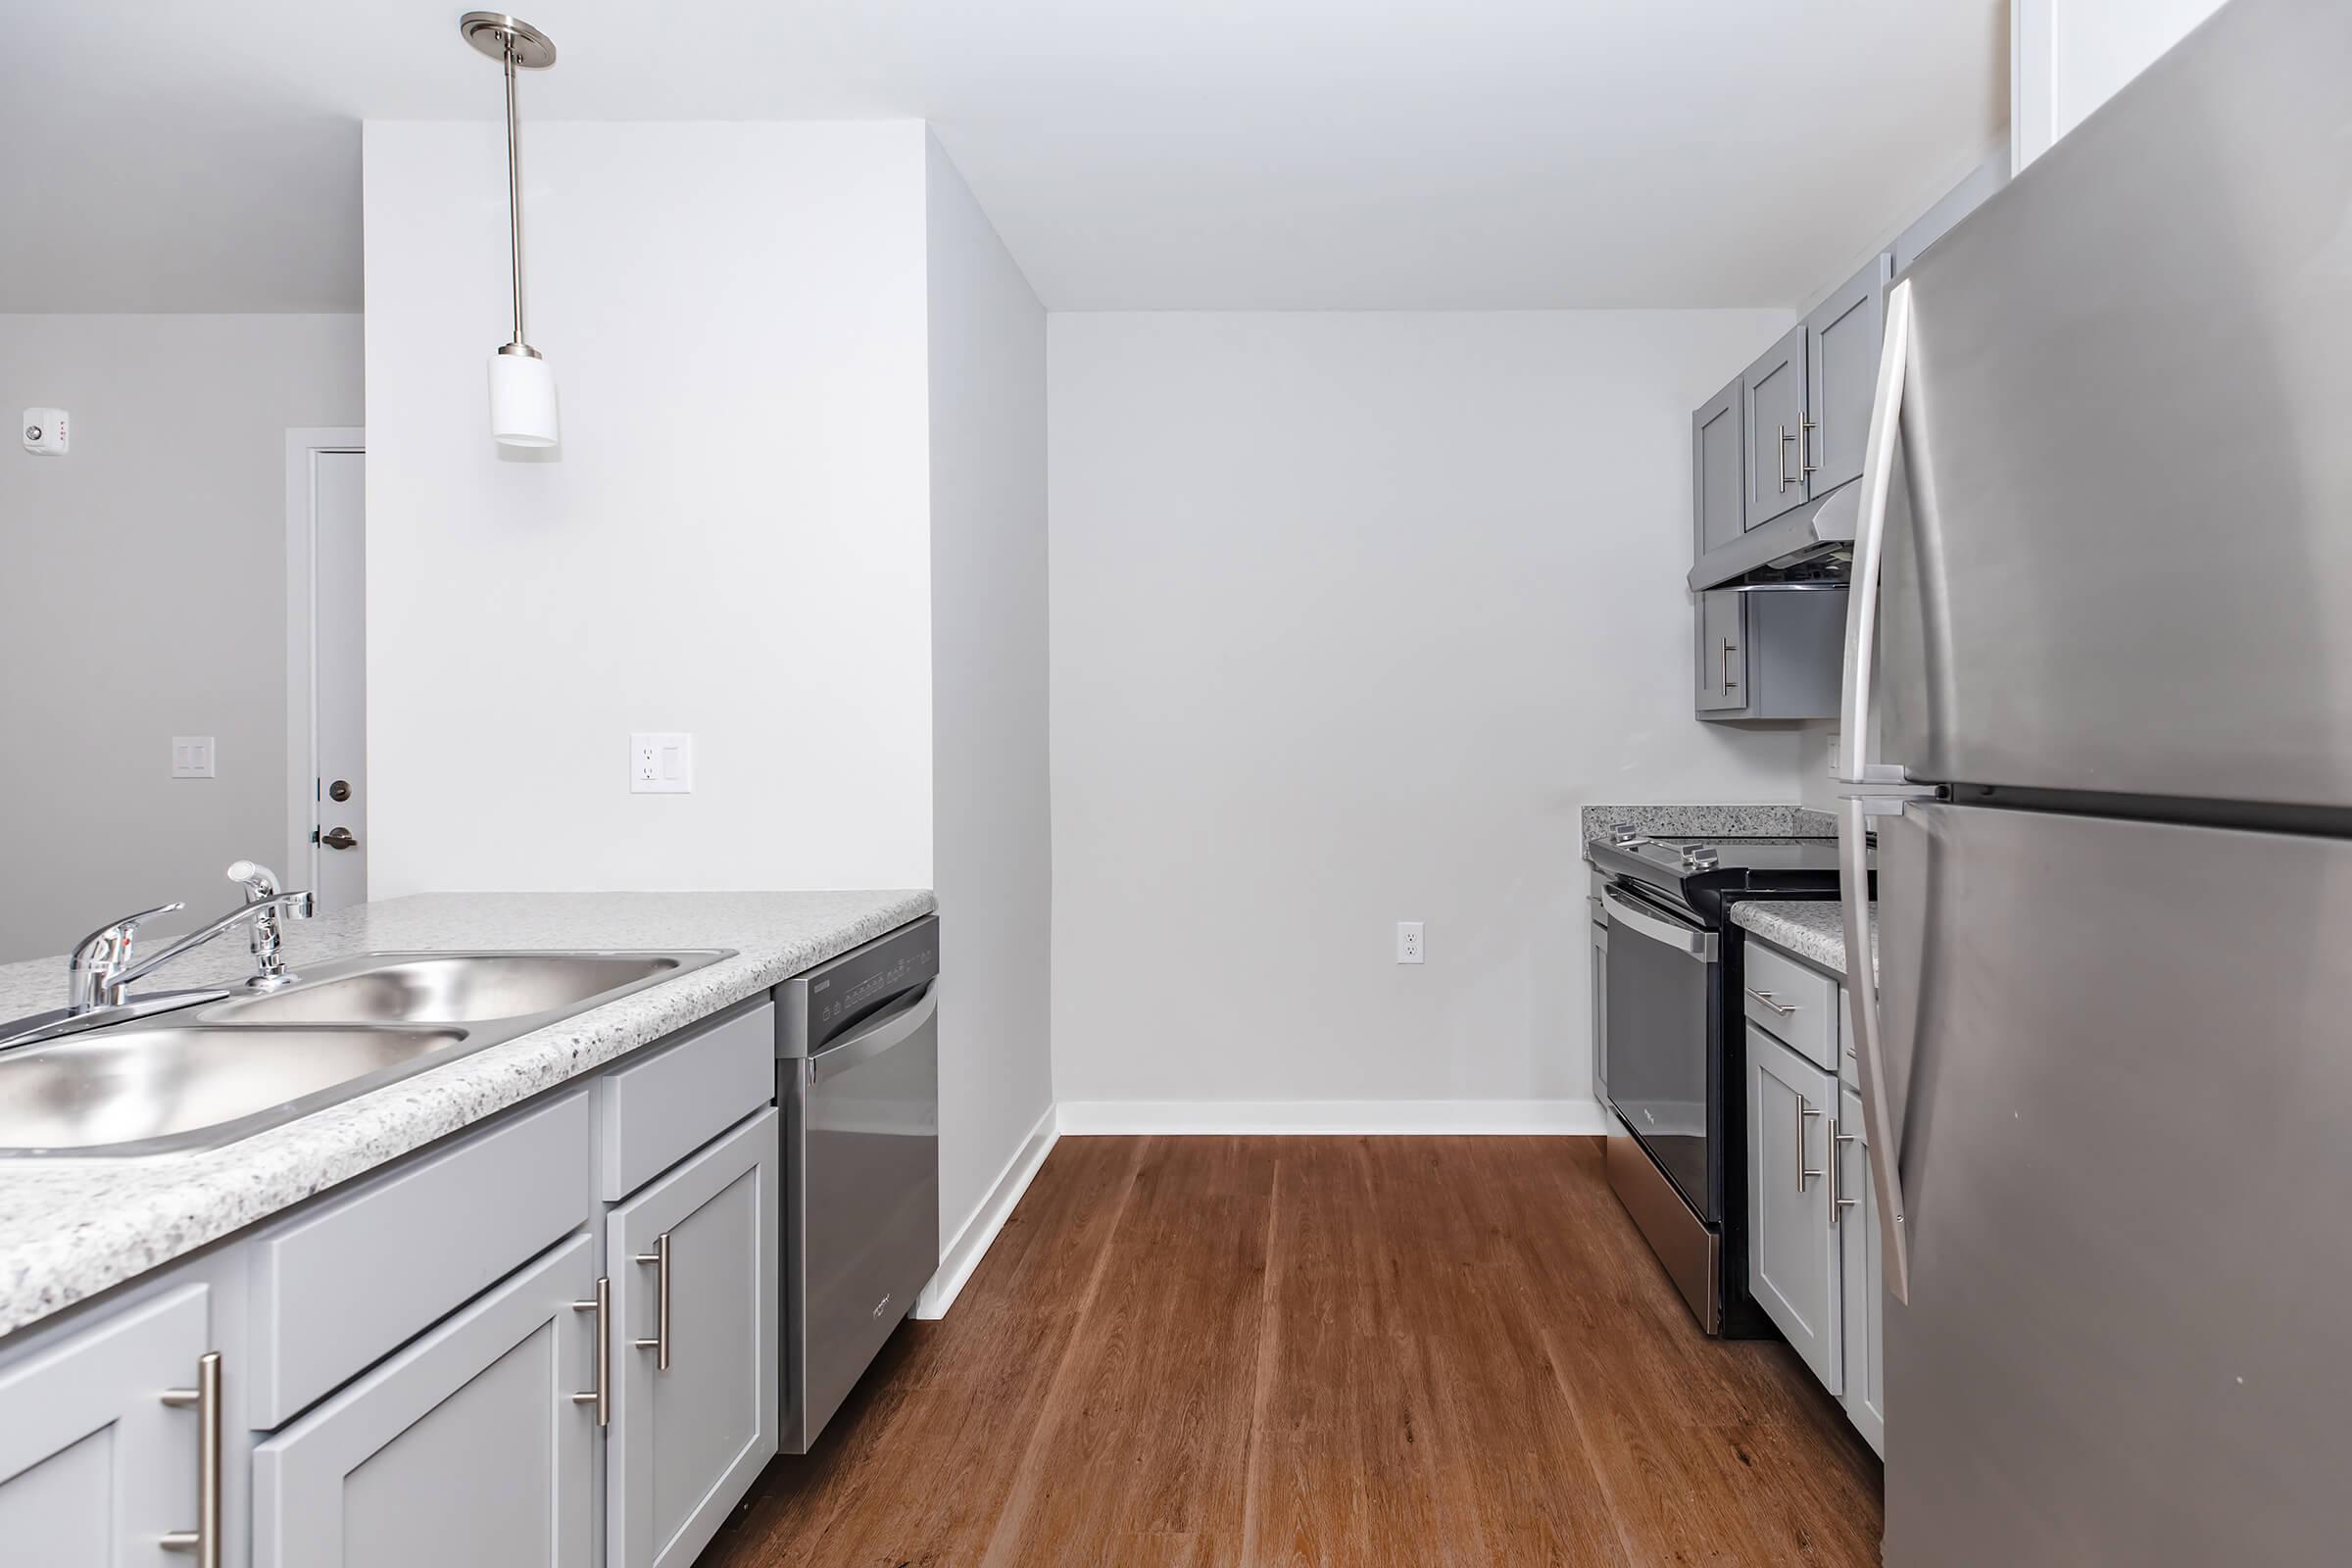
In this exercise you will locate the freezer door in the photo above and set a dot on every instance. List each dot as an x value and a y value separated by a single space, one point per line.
2127 1149
2125 439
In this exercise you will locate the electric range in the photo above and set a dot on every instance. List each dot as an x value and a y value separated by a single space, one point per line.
1671 1057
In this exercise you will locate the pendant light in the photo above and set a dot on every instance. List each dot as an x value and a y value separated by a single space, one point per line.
522 387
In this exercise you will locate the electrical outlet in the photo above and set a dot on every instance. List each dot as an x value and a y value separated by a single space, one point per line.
1408 941
1832 768
661 762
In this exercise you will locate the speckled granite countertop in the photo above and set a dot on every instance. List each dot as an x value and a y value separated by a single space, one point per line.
1712 821
71 1228
1810 929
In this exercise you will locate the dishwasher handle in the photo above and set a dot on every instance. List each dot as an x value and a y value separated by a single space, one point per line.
885 1033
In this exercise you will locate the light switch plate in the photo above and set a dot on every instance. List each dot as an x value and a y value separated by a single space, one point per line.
661 762
191 756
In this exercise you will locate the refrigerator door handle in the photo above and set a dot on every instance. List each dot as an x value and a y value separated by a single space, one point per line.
1872 789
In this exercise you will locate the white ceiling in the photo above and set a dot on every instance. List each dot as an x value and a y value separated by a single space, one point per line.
1135 154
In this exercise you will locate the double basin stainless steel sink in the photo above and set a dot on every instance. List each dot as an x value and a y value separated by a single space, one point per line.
213 1072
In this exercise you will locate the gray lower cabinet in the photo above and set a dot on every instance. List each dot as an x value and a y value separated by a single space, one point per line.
1796 1269
693 1261
1774 424
1813 1216
467 1449
1865 1394
1722 655
96 1469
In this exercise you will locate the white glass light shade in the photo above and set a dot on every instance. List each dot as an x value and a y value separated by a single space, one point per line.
522 401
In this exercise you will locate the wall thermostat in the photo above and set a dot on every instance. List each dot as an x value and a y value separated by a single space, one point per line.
45 431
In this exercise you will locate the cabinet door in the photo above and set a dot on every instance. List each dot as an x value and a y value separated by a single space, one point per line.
1718 470
1772 394
95 1469
688 1438
1722 651
467 1449
1865 1300
1794 1269
1842 373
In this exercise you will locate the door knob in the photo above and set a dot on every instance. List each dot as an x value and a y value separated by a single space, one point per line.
339 839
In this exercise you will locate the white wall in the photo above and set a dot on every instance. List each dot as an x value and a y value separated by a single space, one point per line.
1351 613
2068 56
733 540
143 596
991 831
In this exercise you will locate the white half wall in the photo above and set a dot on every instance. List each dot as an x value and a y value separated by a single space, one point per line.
1351 613
144 597
733 539
992 832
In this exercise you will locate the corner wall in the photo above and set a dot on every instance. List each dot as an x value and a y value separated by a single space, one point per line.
1351 614
991 829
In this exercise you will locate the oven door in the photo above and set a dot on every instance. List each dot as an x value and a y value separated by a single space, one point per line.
1662 977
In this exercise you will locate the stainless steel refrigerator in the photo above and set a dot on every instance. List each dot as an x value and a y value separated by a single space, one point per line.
2102 631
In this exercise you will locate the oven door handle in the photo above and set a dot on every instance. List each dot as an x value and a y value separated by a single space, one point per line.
1699 945
893 1029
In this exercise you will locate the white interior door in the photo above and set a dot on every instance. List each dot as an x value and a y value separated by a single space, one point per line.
339 683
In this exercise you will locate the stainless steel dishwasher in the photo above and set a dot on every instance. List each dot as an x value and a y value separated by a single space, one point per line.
857 1075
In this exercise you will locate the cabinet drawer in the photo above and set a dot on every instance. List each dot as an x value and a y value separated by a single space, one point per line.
1795 1003
664 1106
337 1289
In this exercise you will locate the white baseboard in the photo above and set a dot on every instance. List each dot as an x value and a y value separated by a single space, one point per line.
1375 1117
964 1254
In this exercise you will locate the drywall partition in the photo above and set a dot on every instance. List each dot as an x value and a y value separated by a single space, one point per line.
143 596
733 539
2068 56
1351 614
992 832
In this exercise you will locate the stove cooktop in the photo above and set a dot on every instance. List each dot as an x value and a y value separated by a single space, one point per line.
1704 874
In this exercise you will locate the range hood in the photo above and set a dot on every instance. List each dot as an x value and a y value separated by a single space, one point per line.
1815 528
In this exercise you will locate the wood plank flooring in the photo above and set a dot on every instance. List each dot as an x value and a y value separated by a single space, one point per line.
1320 1352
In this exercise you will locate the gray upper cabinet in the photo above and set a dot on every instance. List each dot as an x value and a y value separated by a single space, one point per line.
467 1450
1841 373
1719 469
693 1259
1721 659
1772 399
95 1468
1794 1266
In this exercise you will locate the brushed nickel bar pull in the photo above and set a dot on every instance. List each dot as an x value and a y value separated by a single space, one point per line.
1780 459
602 1394
1805 446
660 1342
1804 1114
1838 1206
203 1542
1784 1008
1728 649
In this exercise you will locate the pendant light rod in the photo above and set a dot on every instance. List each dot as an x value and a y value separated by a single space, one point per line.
515 45
514 180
